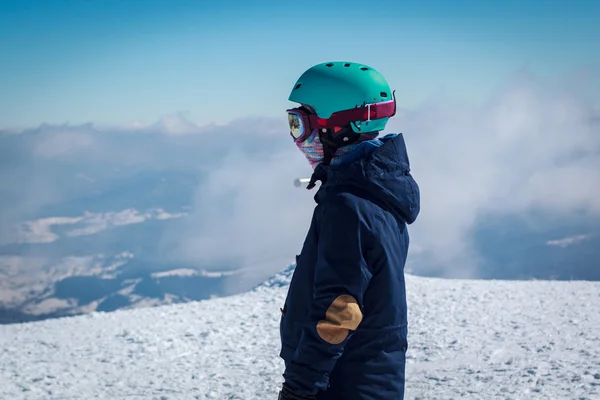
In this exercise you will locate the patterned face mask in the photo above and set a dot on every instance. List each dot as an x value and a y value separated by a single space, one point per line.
313 149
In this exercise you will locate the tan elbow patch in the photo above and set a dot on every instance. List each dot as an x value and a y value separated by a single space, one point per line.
342 316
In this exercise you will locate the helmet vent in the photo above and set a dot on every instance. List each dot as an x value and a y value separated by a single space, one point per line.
383 94
329 65
364 68
298 86
346 65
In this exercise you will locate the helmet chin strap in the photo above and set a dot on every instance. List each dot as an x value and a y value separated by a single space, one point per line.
331 142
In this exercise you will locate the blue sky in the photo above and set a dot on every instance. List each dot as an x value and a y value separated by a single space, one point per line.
120 61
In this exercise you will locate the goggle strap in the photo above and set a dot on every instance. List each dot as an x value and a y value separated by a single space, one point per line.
368 112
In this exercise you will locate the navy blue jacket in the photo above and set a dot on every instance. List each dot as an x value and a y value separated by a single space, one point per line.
355 250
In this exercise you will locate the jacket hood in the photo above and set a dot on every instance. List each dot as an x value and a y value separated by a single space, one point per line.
382 168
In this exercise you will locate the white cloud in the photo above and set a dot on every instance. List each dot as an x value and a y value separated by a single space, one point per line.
94 223
532 147
247 213
61 141
567 241
24 277
40 230
192 272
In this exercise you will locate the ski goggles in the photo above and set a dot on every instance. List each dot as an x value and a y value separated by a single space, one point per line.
303 121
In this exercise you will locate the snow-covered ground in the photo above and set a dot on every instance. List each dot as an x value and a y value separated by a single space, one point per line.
468 340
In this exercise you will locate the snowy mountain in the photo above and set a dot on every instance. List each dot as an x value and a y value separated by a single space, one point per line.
175 124
468 339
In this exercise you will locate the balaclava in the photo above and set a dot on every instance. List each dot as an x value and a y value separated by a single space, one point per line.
312 148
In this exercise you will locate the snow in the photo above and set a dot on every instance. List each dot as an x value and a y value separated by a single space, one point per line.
468 339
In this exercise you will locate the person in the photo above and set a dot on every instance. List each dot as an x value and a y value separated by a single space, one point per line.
344 321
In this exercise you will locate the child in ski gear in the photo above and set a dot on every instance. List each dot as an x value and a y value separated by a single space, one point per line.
344 322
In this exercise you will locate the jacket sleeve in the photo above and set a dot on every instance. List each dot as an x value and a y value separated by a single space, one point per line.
341 277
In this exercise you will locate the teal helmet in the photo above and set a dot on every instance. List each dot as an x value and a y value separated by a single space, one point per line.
331 87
